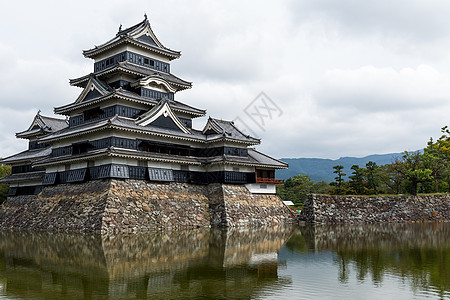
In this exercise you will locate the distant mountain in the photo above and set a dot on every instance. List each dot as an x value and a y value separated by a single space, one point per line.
322 169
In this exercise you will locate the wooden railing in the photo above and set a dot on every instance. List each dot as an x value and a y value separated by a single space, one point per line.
269 180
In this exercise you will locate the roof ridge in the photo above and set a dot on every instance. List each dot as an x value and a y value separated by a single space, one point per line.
131 28
53 118
132 34
263 154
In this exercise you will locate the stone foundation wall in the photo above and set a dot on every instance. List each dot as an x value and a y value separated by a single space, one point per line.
133 205
359 209
246 209
61 208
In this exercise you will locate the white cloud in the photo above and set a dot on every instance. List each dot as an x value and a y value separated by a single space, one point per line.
351 78
368 89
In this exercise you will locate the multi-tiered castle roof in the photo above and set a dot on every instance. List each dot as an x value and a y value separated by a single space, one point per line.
127 124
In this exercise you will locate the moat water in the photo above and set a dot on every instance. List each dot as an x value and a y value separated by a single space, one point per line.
382 261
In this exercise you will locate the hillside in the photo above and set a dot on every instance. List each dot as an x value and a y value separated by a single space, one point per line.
322 169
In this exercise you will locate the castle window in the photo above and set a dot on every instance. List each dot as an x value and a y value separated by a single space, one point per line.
79 148
152 63
92 113
146 61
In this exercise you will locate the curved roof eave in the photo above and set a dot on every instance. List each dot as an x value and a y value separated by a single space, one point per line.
66 109
91 53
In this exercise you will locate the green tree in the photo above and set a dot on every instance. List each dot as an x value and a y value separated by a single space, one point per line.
357 180
296 188
391 179
372 176
411 167
339 178
321 187
444 142
434 159
4 171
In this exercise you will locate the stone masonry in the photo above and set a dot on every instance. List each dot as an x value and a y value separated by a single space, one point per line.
132 205
360 209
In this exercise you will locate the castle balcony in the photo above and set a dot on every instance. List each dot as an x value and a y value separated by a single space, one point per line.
267 176
269 180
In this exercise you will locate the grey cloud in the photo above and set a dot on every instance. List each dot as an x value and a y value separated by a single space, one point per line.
369 89
333 104
416 19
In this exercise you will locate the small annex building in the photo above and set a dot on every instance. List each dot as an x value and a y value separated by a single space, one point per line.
127 124
26 178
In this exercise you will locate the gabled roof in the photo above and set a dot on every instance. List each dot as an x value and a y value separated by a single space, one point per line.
123 94
254 159
265 159
137 70
140 35
227 129
162 111
212 127
42 125
21 177
129 125
122 153
94 89
27 156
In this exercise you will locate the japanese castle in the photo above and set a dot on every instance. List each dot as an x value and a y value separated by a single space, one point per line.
126 124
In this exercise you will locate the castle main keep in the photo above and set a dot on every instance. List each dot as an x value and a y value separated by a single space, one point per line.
127 126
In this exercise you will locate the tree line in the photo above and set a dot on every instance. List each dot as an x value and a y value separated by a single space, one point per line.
4 170
426 171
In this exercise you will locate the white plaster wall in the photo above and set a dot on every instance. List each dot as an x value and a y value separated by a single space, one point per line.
194 168
124 161
51 169
215 168
245 169
163 165
26 183
261 188
78 165
104 161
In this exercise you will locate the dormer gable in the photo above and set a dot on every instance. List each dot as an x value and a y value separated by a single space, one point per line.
140 35
212 127
93 89
42 125
155 81
163 116
143 32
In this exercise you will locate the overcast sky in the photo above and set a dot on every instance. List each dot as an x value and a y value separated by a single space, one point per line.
339 77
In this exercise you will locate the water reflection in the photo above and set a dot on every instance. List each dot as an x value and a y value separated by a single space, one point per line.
400 261
235 263
418 254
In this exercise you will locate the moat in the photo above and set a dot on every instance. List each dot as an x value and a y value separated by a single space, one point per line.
393 261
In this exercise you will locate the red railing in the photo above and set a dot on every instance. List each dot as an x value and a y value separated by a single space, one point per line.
269 180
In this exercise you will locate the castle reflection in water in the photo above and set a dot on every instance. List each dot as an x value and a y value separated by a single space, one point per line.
233 263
